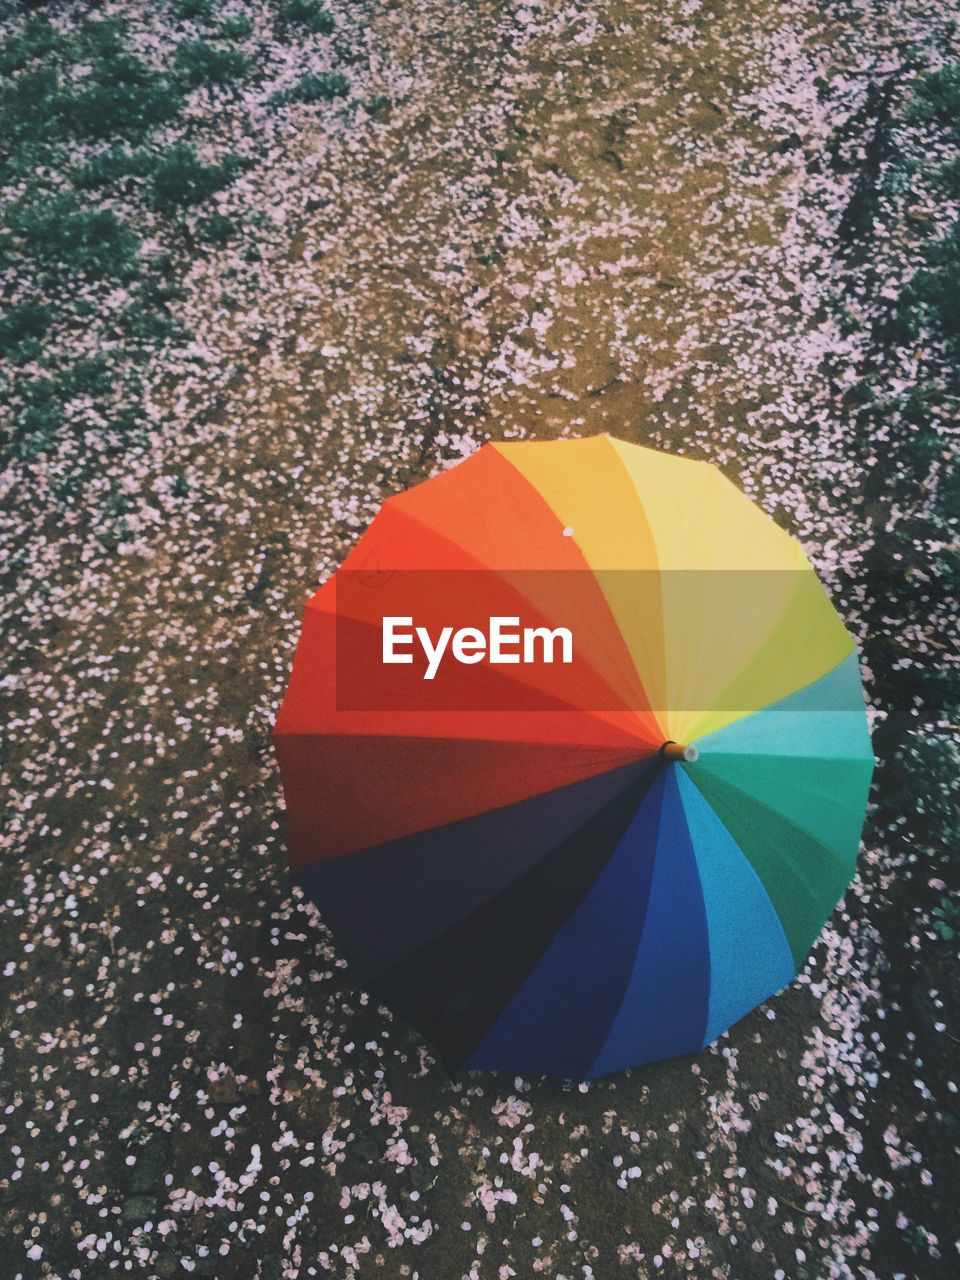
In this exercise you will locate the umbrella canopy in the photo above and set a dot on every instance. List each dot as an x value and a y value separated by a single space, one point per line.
574 865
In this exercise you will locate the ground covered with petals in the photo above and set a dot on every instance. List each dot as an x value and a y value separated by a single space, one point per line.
266 264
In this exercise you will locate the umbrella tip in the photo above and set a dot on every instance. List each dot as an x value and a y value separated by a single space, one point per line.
679 751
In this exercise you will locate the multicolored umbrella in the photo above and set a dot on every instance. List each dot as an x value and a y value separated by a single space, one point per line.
572 867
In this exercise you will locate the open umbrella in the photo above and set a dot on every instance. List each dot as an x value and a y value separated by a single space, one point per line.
571 864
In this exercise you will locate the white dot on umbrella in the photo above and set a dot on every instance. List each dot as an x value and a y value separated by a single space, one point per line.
568 532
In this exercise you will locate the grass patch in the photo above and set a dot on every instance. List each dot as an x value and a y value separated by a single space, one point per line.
21 328
200 64
63 236
114 166
236 26
146 323
124 98
194 10
33 115
81 102
38 421
931 300
913 474
324 86
308 14
90 376
100 38
217 230
937 99
180 179
935 290
39 38
86 87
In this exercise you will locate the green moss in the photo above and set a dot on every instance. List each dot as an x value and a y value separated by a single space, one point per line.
149 324
158 292
198 63
236 26
147 319
324 86
36 431
89 84
193 10
309 14
124 98
38 422
38 38
88 377
33 114
935 289
217 229
931 300
938 99
23 325
117 96
37 90
60 234
378 106
101 38
949 178
116 165
181 179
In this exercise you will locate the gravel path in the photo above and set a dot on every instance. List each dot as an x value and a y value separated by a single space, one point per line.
561 218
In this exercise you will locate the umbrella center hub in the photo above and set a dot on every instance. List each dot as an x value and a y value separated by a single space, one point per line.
671 750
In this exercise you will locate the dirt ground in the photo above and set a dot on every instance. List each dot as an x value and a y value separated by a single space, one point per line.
570 217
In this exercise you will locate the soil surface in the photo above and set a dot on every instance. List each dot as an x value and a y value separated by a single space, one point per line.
547 219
